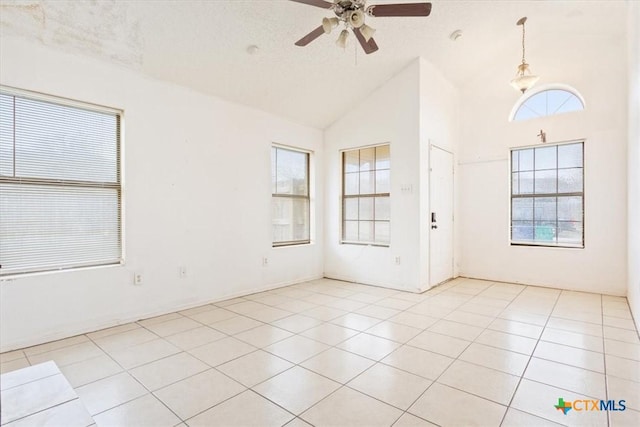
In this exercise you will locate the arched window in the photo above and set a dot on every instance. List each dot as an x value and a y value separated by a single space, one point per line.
547 101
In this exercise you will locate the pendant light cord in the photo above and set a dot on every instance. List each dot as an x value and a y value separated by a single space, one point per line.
523 61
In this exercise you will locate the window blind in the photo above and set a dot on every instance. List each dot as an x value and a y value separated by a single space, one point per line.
60 189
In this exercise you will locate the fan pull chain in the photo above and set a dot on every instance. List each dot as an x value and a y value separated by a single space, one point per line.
355 55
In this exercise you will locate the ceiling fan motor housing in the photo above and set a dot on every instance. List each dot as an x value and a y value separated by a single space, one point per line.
351 11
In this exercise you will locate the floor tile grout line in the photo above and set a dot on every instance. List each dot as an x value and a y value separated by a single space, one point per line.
529 361
457 358
136 380
457 307
42 410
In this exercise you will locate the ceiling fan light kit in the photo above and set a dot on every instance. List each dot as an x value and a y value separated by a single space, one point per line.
524 78
352 14
342 39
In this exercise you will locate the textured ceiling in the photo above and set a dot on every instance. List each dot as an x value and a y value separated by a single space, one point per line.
202 44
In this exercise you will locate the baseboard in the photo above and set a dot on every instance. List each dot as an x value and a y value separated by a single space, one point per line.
539 285
370 283
99 324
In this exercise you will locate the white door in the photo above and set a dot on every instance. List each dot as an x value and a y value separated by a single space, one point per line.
440 216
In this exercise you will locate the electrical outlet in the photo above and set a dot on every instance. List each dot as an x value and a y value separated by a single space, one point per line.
182 271
397 260
265 261
137 278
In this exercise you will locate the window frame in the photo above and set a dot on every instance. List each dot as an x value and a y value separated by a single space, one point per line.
344 197
547 195
307 153
118 186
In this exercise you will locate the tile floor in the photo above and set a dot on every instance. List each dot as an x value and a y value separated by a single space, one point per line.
327 352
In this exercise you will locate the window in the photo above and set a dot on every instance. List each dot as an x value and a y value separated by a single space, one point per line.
547 199
60 194
365 196
290 196
555 100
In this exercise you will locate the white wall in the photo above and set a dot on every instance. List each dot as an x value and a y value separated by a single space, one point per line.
415 106
633 291
598 71
197 193
439 125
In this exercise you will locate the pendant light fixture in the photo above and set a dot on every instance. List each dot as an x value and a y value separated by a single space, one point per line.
524 79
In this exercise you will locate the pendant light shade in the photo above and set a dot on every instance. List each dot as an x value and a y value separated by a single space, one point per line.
524 79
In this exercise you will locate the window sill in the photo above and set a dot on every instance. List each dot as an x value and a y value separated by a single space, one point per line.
377 245
294 244
14 276
542 245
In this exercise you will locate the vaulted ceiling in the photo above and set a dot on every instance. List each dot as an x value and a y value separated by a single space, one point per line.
202 44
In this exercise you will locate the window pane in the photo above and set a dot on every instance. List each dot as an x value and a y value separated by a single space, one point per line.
545 158
522 209
367 182
545 209
570 156
545 232
572 104
526 182
570 180
352 184
537 103
350 231
273 170
382 232
65 143
382 157
526 159
514 161
351 161
366 208
522 231
365 233
290 218
291 172
570 233
555 99
545 182
367 159
570 209
382 209
382 181
351 208
515 183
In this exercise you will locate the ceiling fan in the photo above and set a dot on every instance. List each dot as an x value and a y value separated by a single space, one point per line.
352 14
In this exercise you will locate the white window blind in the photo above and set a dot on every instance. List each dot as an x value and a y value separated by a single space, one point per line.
60 189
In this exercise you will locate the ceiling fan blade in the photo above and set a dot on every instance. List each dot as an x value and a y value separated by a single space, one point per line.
368 46
318 3
310 37
403 9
